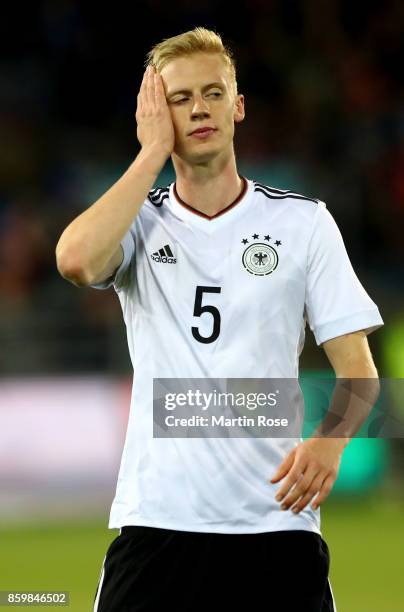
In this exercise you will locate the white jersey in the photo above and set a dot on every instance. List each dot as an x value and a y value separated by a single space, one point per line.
267 263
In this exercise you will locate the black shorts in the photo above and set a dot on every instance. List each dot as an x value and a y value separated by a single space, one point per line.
147 569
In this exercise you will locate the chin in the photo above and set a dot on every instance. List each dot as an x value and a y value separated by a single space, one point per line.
204 154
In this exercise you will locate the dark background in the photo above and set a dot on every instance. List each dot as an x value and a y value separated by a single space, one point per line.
323 83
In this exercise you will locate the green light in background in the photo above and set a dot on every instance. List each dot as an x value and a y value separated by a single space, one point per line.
393 348
364 461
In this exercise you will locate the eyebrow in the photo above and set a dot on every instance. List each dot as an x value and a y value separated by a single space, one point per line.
188 91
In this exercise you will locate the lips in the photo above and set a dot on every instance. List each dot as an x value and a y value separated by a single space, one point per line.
202 130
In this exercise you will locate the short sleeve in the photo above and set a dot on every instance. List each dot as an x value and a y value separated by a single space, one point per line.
121 278
336 302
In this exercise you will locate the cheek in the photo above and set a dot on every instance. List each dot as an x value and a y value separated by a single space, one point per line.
176 121
230 123
181 126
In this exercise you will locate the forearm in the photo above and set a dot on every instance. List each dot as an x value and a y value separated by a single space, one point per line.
89 242
355 394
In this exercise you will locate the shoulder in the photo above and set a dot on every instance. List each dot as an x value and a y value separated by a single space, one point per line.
299 209
158 196
283 194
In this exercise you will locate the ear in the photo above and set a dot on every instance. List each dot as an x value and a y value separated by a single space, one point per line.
239 110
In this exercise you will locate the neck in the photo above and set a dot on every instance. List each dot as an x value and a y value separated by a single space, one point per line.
208 187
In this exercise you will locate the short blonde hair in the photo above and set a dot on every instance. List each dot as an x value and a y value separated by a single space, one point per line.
198 40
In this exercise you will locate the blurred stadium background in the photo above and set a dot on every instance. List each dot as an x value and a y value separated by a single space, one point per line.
324 99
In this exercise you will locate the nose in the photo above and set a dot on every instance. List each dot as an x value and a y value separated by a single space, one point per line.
200 108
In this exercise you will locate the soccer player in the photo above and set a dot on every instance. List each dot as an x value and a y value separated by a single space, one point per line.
216 275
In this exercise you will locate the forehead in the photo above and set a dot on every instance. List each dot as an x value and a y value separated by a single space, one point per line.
194 71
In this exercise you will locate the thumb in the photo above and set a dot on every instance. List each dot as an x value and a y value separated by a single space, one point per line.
284 467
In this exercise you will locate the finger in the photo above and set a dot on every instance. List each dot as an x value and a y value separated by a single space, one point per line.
301 487
294 475
284 467
142 93
312 490
325 490
160 94
139 106
150 88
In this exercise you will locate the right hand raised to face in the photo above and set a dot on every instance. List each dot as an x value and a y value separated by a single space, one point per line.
154 124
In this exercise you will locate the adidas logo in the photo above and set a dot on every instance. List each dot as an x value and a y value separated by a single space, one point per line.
164 255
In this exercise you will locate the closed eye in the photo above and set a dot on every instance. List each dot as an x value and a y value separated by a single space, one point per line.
217 94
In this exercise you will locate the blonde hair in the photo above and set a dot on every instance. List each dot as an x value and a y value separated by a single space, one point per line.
198 40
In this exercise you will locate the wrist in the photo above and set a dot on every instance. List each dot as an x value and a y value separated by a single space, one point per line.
339 440
151 159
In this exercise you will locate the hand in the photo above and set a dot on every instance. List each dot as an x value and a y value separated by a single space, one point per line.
311 469
155 127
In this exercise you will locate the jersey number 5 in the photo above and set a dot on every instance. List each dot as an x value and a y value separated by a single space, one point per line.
199 309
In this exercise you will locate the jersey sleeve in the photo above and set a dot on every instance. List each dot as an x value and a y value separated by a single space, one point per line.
336 302
121 278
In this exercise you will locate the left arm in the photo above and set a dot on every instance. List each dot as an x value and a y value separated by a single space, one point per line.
311 468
